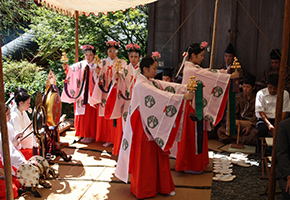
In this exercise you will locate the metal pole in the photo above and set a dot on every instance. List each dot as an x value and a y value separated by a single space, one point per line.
4 136
77 37
214 34
280 91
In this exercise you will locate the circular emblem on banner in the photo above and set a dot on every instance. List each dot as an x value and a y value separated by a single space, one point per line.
213 70
217 91
122 76
104 101
155 84
127 94
125 144
152 121
149 101
204 102
159 141
209 118
101 77
170 111
125 114
170 89
82 103
72 93
125 72
122 108
78 83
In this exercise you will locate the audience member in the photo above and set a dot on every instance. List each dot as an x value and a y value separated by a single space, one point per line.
275 57
245 110
167 74
265 108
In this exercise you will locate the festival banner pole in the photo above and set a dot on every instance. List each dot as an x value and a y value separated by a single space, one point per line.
4 136
280 92
214 34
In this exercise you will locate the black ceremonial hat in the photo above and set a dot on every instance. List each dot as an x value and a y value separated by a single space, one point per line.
230 49
274 55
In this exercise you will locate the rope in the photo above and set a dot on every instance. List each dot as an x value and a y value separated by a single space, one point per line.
259 29
180 25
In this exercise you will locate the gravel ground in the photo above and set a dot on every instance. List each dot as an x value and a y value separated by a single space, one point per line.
247 185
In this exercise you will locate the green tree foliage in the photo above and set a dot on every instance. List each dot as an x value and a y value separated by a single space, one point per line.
56 32
23 74
14 15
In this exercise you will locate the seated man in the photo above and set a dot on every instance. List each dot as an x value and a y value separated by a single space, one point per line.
275 57
228 61
265 109
167 74
245 110
283 157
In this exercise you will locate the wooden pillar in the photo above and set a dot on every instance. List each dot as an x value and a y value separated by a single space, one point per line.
214 34
77 37
280 91
4 136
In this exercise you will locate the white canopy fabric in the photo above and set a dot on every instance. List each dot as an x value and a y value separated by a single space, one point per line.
92 6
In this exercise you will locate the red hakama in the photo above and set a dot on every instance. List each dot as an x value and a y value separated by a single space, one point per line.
149 165
186 158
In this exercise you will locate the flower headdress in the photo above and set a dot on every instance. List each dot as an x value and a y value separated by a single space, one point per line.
112 44
86 47
156 55
132 47
202 46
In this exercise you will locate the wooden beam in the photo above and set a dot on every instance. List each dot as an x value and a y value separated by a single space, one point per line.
214 34
280 91
4 136
77 37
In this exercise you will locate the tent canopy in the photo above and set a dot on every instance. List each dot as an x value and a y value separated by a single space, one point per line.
92 6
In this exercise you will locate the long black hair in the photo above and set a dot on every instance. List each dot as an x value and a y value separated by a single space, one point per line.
194 48
21 96
147 61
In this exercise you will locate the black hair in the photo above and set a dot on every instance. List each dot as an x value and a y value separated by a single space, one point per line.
194 48
7 107
134 50
21 96
273 79
109 46
147 61
92 50
19 90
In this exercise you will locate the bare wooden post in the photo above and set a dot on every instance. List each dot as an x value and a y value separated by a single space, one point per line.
280 90
214 34
77 36
4 136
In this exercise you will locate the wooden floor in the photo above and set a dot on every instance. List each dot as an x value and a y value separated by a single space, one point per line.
90 175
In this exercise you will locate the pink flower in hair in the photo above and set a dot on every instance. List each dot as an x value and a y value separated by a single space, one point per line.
156 55
85 47
136 46
203 44
132 47
112 43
